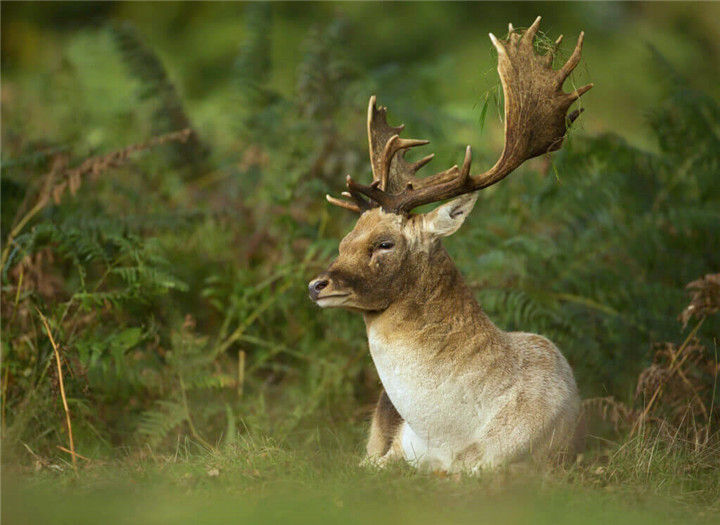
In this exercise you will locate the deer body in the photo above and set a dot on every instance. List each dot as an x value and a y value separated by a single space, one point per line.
460 394
472 396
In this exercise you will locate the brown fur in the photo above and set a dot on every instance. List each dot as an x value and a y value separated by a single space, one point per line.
419 309
384 427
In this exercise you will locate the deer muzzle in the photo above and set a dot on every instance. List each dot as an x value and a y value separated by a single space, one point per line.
325 292
316 286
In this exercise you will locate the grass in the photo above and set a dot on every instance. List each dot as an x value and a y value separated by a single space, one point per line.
257 480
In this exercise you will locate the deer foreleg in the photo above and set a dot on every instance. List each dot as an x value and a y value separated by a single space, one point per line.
385 426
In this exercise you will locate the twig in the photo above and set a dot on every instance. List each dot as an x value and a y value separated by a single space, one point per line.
38 458
62 390
71 452
241 373
20 225
102 162
578 299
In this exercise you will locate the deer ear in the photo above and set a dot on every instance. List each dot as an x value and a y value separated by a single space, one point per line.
446 219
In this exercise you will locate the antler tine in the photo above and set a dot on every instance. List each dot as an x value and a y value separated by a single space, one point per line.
379 135
579 92
356 203
529 35
465 173
574 59
550 56
372 191
392 146
419 164
357 195
344 204
391 169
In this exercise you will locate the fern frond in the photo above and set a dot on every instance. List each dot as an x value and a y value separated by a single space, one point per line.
253 65
169 115
157 423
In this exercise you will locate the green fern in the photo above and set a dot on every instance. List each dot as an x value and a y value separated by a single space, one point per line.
157 423
253 65
155 85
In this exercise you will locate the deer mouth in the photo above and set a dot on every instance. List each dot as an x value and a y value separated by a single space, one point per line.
331 296
331 300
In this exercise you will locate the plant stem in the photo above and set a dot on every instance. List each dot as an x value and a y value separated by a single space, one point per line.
193 430
241 373
62 390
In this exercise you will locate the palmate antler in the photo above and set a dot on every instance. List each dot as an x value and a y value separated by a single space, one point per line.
391 172
536 120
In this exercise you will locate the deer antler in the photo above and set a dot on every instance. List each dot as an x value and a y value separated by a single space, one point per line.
536 121
391 172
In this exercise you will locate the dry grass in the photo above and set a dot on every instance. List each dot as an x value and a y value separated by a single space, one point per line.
62 389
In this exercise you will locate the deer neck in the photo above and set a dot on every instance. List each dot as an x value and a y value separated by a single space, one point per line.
436 312
432 347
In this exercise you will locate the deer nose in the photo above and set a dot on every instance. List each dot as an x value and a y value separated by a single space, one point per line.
316 286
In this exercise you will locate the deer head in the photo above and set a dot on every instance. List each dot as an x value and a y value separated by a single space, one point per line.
390 249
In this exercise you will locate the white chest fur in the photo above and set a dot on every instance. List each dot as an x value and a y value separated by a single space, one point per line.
462 410
443 413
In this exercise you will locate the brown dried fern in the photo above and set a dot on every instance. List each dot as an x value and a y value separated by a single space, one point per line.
678 388
71 178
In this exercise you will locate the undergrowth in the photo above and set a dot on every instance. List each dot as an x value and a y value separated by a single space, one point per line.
173 278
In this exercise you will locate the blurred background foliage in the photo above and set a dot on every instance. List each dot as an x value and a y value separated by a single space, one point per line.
174 278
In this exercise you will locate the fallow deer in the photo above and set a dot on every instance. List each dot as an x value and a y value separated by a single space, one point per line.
459 393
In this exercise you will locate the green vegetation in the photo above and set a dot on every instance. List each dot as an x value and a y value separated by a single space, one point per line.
200 380
259 482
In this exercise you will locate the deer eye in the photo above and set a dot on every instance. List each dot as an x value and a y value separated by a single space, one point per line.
386 245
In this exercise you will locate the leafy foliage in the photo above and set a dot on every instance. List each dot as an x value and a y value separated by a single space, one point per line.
159 277
168 114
